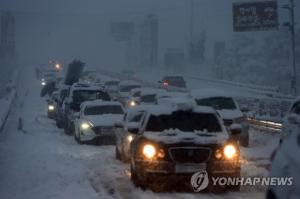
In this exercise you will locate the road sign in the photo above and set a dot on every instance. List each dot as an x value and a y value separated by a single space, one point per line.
255 16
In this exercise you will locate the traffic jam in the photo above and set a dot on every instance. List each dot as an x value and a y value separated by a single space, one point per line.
149 99
169 137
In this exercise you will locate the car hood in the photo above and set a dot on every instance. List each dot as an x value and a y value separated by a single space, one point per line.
230 114
176 136
104 120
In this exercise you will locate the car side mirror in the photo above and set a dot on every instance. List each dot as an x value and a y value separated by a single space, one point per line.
294 119
235 129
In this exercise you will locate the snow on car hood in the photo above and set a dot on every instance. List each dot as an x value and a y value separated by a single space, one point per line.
104 120
176 136
230 114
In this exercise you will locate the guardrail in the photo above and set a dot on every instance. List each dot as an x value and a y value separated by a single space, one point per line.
265 125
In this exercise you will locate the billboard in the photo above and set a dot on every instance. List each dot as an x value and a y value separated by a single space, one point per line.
255 16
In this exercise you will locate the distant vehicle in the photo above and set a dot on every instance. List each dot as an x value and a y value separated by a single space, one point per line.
48 77
96 121
112 85
286 163
80 93
289 125
127 133
124 89
173 81
52 105
134 97
174 143
145 96
228 109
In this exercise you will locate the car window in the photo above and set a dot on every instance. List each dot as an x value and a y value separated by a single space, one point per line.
217 103
148 98
100 110
186 121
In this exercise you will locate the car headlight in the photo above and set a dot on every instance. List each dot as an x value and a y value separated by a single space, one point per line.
230 151
43 83
132 103
129 138
149 151
51 107
85 125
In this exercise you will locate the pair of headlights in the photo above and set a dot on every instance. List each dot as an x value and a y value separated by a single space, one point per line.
150 151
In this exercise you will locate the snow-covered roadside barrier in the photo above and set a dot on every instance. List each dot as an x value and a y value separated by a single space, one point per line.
6 100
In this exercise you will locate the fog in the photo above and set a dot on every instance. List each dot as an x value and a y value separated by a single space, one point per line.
68 29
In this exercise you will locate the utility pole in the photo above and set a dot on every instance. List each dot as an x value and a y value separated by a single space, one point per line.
291 26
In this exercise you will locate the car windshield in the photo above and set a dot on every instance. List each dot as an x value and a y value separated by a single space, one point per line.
101 110
186 121
128 88
135 117
80 96
217 103
148 98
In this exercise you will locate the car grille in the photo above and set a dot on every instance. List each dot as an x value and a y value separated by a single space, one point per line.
103 130
190 154
227 122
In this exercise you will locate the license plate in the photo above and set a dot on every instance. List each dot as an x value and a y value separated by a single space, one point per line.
190 168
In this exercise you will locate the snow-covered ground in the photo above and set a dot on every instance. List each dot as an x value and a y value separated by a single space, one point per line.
41 162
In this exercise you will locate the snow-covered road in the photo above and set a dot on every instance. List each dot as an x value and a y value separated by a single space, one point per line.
42 162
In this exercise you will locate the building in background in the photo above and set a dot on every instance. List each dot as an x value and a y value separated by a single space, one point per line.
148 47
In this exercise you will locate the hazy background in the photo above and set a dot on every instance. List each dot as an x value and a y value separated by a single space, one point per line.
64 29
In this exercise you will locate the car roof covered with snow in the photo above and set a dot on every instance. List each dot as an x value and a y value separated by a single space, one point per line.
100 103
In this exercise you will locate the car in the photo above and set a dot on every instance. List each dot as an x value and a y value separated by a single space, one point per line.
129 130
174 142
134 97
78 94
286 164
96 121
52 105
124 89
145 96
173 81
112 86
227 108
289 125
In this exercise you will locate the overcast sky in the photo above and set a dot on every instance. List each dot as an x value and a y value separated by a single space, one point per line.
65 29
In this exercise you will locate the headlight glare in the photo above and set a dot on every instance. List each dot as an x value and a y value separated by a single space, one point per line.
230 151
85 125
149 151
51 107
132 103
